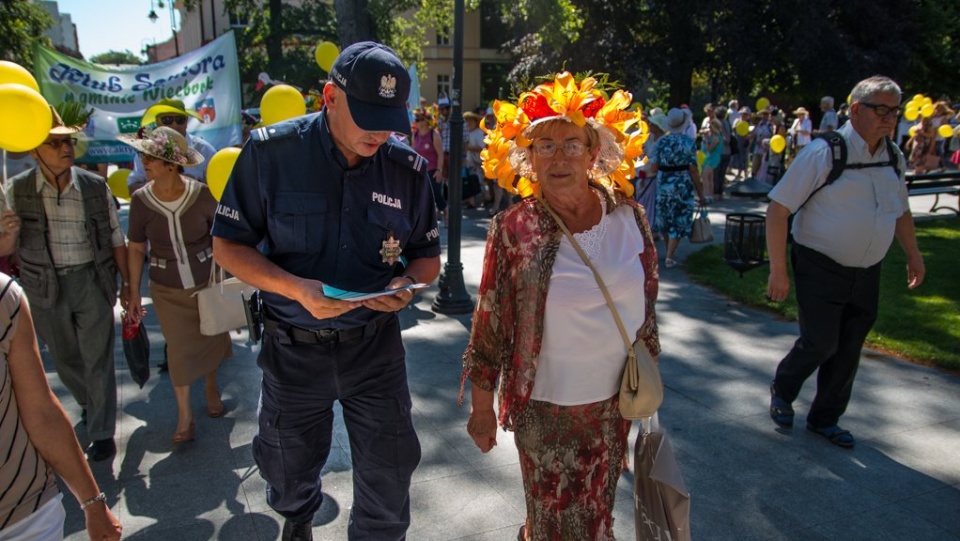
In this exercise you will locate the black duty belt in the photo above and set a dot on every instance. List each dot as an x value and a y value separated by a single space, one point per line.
290 334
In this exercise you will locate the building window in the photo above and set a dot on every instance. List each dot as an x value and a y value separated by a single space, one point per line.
443 86
443 36
494 32
493 82
239 19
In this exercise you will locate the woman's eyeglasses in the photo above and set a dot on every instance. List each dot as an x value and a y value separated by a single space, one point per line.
56 144
170 120
571 149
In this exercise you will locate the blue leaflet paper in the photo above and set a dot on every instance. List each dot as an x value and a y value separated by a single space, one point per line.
344 295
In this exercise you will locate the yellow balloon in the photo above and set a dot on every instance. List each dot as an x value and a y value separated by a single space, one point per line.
762 104
917 97
15 73
117 181
849 97
778 143
700 158
911 113
325 54
945 131
280 103
927 110
743 128
219 169
927 101
913 130
25 118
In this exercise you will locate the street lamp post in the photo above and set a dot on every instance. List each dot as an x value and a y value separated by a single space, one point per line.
453 297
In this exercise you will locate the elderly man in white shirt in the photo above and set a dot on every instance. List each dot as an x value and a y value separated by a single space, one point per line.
842 232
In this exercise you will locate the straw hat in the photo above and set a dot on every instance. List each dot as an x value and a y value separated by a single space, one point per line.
164 144
801 111
59 128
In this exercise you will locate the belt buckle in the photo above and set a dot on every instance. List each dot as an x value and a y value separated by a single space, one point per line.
326 336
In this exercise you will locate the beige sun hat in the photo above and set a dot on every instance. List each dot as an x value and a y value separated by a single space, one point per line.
59 128
164 144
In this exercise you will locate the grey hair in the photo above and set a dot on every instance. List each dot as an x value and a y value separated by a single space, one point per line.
828 100
878 84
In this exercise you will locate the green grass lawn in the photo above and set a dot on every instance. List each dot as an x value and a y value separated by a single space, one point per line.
922 324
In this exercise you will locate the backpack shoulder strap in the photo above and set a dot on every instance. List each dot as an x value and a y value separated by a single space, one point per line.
838 155
838 161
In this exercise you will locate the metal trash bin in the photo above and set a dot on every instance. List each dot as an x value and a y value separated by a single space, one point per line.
745 241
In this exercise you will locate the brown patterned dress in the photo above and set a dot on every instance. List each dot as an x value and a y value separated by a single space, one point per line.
570 456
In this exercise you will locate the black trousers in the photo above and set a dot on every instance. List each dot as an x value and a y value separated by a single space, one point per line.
300 384
837 308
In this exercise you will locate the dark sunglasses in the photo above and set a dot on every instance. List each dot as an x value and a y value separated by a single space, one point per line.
882 110
56 144
169 120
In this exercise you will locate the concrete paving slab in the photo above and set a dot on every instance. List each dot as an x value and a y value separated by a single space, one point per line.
749 480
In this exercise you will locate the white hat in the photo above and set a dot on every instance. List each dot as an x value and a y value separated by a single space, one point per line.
677 118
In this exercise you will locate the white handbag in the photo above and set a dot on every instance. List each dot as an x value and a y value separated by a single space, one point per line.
221 304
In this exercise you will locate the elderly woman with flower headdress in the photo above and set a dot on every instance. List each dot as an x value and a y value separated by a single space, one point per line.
175 213
542 327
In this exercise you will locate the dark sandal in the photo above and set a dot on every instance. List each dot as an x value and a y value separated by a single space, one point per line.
836 435
780 410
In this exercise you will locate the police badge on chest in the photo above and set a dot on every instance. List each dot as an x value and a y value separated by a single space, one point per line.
390 249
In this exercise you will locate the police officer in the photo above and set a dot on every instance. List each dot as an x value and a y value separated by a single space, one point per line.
331 199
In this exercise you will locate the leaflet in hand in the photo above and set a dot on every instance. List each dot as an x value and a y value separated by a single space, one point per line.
353 296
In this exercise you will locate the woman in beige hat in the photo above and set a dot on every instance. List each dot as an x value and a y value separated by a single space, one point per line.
174 213
801 129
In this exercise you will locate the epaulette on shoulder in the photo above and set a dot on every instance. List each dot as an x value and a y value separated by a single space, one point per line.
406 156
280 130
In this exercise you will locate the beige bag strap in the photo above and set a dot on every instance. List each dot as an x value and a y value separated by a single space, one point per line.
606 294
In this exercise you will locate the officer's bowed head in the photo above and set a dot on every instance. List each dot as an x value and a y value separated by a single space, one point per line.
376 84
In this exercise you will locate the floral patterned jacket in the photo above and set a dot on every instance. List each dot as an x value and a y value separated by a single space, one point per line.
508 320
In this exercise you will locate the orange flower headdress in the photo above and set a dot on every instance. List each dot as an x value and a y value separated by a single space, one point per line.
506 157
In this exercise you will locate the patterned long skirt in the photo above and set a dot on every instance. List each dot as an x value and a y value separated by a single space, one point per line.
675 205
570 459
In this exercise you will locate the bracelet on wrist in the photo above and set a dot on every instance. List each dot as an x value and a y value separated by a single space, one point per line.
98 498
411 278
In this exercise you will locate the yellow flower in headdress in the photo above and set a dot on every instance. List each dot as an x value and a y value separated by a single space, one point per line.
579 102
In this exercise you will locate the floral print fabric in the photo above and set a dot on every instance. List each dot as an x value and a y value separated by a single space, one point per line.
570 458
675 194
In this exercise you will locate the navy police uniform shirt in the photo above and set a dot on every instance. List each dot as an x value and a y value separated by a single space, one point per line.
292 196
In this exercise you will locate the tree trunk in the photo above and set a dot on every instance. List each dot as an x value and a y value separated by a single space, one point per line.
354 22
275 38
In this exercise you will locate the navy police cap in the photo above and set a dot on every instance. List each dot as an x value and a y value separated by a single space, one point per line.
377 86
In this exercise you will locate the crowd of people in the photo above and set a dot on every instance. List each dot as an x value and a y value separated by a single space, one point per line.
338 198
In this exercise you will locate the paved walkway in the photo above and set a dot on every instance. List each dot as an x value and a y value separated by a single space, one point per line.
748 479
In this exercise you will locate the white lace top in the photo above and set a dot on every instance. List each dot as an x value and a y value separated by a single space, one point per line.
582 355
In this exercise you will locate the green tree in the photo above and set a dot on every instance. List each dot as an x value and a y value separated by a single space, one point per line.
116 57
20 22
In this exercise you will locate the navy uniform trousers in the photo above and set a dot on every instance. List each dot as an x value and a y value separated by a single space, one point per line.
299 386
837 306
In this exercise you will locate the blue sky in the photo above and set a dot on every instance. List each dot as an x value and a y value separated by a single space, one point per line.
104 25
